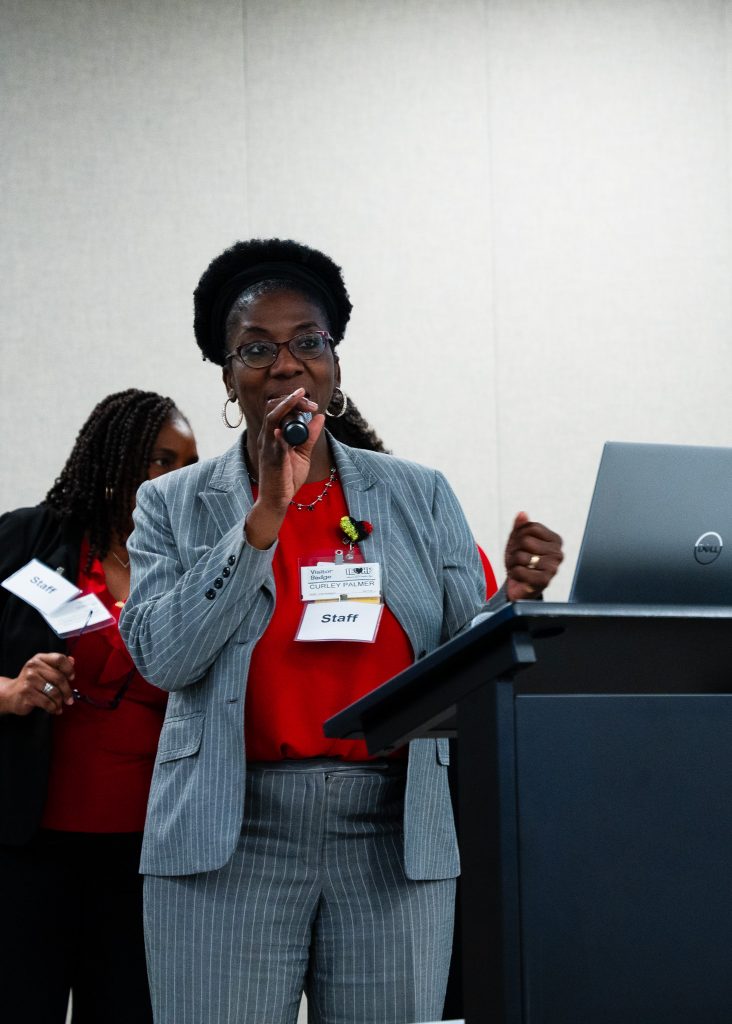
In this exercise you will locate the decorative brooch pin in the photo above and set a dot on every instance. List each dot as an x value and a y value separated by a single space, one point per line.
355 530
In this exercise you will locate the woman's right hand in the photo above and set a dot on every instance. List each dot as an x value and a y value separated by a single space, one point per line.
281 469
53 672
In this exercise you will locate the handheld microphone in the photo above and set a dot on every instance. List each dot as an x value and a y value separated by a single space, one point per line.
294 427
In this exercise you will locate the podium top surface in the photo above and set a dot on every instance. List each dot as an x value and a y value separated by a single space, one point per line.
554 649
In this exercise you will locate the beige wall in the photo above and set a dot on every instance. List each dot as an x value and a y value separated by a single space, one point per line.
531 201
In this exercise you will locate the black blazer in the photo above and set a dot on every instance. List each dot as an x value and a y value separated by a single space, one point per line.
25 742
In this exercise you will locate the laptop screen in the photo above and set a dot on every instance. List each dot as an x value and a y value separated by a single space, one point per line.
659 530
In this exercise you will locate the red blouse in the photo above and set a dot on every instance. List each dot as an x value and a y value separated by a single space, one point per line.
102 761
295 685
490 580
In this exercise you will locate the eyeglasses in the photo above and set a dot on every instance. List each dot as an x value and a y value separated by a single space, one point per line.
102 705
107 705
260 354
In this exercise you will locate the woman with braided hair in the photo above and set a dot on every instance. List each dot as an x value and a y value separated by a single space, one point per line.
277 860
78 732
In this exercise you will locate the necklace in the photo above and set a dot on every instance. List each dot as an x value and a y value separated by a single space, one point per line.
306 506
125 565
311 507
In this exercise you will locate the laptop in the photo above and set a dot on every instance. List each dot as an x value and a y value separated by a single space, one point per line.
659 529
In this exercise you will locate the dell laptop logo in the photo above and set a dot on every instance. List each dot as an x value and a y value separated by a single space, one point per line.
708 548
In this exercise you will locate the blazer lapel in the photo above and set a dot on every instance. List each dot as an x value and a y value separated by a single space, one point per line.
228 496
369 498
226 507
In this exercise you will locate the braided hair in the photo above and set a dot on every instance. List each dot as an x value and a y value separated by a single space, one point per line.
107 464
258 267
352 429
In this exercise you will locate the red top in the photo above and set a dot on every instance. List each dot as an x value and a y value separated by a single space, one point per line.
295 685
490 580
102 760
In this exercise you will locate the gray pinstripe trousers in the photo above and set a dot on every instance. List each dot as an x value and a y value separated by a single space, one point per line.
315 898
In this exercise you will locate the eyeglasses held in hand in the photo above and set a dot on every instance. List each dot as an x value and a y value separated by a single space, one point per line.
102 705
260 354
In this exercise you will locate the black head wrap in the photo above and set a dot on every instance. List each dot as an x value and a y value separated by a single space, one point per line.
246 264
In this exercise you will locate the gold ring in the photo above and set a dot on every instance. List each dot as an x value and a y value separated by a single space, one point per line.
534 562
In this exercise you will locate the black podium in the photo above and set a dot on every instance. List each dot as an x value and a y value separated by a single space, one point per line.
595 782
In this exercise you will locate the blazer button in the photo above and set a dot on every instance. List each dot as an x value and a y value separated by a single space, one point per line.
218 583
210 594
226 571
232 560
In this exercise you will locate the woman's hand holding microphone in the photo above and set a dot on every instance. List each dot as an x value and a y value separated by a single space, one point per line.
282 469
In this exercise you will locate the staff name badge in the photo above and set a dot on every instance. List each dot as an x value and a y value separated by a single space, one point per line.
39 586
57 600
342 601
341 620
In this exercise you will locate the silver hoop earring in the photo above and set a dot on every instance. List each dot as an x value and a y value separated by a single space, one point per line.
344 406
225 418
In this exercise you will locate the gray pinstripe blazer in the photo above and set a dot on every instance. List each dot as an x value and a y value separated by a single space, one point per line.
200 599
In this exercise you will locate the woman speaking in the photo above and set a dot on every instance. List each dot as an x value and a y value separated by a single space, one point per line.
277 860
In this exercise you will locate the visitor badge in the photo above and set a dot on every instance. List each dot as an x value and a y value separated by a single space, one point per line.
39 586
340 620
329 581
